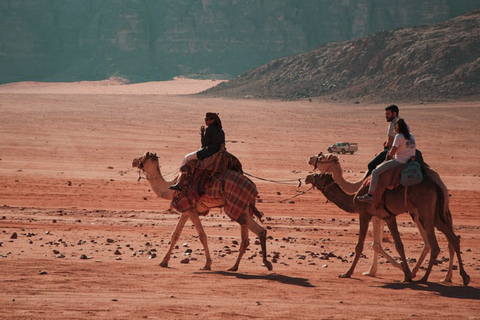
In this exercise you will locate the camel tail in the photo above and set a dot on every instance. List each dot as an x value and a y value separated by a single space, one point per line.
256 212
443 210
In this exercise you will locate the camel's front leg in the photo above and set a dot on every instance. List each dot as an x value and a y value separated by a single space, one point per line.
175 236
203 238
243 246
378 225
364 221
392 225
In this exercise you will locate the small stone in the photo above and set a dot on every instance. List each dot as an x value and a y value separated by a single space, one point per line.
14 236
83 257
43 272
117 253
185 261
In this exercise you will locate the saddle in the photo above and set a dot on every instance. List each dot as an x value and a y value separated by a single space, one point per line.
396 177
201 173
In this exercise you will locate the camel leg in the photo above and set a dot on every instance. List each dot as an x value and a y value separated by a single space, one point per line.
435 249
243 246
261 233
392 225
426 245
175 236
203 238
364 221
378 225
448 276
454 242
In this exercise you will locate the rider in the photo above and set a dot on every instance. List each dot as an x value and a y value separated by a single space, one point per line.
402 150
213 139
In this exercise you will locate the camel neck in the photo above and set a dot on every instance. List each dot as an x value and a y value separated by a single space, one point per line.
340 198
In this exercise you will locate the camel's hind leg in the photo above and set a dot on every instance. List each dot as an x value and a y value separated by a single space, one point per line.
426 245
364 221
247 220
243 246
392 225
448 276
454 242
378 225
435 249
175 236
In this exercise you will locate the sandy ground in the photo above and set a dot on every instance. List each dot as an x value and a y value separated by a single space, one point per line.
81 238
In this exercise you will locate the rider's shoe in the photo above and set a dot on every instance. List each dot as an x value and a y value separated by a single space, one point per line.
365 198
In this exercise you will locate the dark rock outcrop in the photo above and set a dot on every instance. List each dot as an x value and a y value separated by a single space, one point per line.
440 61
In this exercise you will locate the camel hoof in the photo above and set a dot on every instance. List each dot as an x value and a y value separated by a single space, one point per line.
446 280
164 264
423 280
233 269
206 268
344 275
268 265
369 274
466 280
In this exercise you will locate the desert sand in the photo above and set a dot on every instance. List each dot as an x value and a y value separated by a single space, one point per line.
81 237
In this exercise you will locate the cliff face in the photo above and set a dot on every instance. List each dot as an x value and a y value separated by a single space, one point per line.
66 40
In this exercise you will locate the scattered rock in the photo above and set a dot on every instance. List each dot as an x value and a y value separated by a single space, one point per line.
14 236
185 261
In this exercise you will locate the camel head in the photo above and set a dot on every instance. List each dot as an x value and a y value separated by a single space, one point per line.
322 161
141 161
320 180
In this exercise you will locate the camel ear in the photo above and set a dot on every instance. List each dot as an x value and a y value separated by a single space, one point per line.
320 154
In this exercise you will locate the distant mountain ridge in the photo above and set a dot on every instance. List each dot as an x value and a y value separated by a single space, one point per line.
432 62
146 40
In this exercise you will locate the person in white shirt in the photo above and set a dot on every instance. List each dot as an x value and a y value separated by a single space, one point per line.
403 148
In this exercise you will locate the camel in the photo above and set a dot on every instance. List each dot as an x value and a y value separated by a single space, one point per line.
331 163
425 200
148 163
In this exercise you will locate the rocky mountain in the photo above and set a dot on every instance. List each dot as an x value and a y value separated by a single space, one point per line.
439 61
142 40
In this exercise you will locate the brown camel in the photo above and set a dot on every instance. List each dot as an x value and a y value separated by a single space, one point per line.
330 163
425 200
148 163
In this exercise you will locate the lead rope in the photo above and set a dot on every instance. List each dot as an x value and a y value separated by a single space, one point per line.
288 182
286 199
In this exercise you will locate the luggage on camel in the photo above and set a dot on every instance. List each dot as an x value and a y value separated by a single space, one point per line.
411 174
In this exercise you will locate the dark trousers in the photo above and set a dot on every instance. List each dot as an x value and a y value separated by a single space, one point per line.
383 155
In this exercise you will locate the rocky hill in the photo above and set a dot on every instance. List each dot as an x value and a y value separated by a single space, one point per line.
432 62
60 40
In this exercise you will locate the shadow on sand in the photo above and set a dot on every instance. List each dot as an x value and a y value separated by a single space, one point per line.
302 282
444 290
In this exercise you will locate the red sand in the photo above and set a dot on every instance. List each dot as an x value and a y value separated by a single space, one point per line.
67 186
